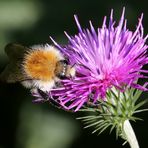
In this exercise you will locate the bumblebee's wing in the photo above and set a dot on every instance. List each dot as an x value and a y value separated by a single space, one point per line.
15 51
12 73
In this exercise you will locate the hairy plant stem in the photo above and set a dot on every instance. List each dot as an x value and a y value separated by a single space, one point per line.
130 135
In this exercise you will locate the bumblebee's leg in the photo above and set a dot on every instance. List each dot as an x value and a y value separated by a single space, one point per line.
44 95
39 95
90 102
54 101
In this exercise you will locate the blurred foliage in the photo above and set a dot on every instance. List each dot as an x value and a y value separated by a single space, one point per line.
40 128
27 125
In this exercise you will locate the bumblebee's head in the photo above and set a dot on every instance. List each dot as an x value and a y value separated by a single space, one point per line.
64 70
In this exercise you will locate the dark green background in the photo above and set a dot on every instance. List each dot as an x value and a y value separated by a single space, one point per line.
27 125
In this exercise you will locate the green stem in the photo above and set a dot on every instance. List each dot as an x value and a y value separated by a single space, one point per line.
130 135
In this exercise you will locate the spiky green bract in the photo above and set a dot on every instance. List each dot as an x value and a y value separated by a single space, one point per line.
118 107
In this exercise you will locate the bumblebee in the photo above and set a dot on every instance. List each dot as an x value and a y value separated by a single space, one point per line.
37 67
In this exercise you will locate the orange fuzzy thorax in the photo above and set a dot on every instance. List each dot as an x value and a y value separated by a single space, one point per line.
40 64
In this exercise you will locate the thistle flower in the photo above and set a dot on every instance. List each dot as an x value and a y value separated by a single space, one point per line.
110 56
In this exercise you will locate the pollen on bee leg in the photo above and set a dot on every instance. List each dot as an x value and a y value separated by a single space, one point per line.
71 71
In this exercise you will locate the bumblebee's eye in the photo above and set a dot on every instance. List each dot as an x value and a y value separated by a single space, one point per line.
64 62
61 75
